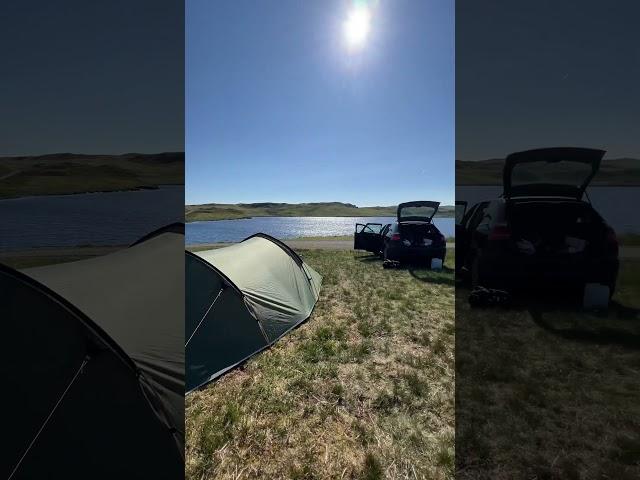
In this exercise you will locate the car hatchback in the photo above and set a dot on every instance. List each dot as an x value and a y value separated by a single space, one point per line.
413 237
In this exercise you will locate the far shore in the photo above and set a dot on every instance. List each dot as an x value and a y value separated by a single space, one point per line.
301 216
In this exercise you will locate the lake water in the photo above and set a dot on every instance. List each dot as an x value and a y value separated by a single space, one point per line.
113 218
288 227
617 205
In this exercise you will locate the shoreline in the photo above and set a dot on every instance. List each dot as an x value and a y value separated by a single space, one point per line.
136 189
306 216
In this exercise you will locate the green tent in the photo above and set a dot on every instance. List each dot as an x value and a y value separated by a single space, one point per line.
93 365
240 300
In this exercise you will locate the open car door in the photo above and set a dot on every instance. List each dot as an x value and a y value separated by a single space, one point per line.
461 209
550 172
464 231
367 237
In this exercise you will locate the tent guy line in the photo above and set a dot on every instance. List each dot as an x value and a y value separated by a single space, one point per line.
46 420
204 316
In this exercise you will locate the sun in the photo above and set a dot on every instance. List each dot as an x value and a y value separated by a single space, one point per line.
356 27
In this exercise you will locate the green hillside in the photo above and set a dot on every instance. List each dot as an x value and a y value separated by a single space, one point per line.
614 172
67 173
221 211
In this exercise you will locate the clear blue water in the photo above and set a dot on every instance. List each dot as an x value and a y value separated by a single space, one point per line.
114 218
288 227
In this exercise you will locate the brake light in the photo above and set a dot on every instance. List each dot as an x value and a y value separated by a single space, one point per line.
395 237
500 232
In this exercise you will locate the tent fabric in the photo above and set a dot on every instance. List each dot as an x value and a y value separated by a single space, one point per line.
103 339
241 299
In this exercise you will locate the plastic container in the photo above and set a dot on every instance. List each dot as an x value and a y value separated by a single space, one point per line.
596 296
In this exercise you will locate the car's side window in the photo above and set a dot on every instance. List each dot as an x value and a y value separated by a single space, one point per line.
479 216
468 215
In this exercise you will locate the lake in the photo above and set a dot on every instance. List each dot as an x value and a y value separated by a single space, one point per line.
288 227
112 218
617 205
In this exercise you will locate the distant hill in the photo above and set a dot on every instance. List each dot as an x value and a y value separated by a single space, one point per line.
67 173
614 172
222 211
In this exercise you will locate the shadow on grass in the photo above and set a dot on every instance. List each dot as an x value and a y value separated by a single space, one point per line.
583 328
424 274
370 258
418 270
562 315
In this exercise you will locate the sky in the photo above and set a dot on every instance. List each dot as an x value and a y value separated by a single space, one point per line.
91 77
547 73
281 107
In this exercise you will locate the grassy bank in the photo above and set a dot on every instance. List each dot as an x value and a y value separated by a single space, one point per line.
219 211
549 392
67 173
364 389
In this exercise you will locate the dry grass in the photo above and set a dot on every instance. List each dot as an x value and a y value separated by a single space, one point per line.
549 392
364 389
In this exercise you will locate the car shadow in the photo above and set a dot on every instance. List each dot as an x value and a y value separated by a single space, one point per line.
419 271
425 274
624 333
564 317
370 258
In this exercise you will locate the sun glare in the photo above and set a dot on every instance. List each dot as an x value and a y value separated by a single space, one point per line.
356 28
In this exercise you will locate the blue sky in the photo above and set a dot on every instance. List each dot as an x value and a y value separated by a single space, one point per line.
278 108
91 77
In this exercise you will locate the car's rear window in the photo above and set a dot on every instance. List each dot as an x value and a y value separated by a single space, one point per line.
408 213
560 173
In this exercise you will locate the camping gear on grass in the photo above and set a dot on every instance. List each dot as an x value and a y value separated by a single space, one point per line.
488 297
240 300
93 368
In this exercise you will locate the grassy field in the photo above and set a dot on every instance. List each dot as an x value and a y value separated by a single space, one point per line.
549 392
218 211
629 239
67 173
364 389
621 171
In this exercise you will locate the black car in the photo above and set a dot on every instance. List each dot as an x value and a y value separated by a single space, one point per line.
413 237
541 232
